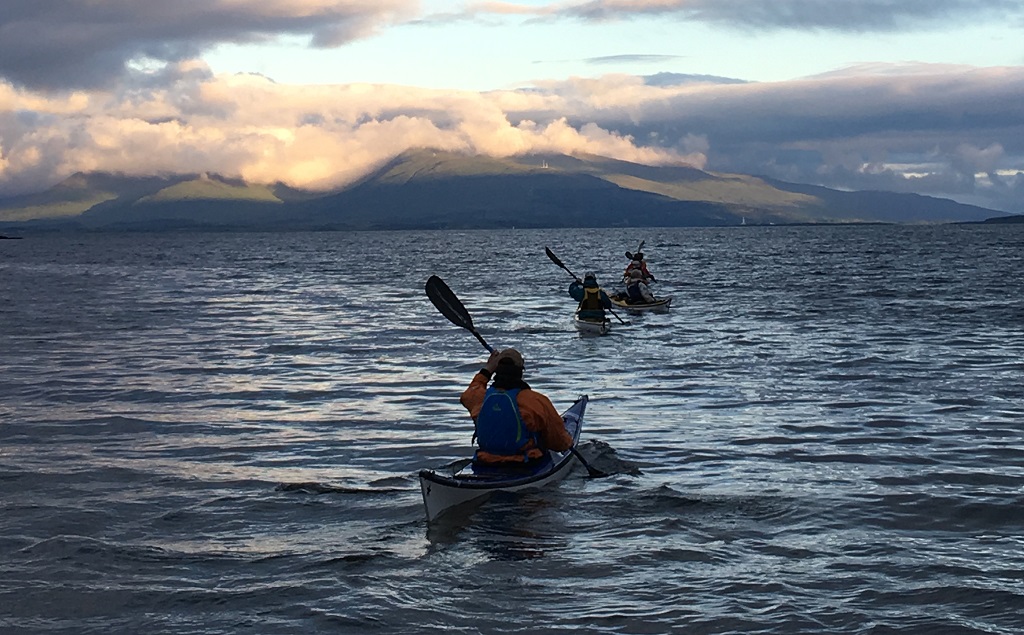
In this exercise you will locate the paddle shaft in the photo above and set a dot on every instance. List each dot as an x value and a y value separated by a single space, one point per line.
591 470
481 338
639 248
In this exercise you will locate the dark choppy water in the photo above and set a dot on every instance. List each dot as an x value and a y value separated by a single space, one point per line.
219 433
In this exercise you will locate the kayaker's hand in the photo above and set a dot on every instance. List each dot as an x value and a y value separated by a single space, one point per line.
492 362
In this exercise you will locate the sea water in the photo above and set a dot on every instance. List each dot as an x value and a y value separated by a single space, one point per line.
221 432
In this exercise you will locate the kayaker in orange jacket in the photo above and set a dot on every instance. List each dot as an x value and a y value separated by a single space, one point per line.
512 431
637 262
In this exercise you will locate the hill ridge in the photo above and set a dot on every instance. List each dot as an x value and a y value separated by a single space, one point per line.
444 189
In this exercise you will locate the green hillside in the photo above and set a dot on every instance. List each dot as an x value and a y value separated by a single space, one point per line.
211 190
435 189
419 165
56 209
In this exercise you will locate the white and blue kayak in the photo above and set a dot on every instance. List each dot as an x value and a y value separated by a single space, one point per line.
590 326
660 304
445 490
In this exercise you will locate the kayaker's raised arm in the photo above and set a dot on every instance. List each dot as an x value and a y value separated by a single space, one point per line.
473 397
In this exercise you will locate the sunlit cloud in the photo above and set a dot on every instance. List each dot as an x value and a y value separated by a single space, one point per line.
955 132
248 126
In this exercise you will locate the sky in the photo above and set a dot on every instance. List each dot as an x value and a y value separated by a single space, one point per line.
923 96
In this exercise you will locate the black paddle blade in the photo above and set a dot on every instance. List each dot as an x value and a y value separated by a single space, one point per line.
553 257
558 262
639 248
445 300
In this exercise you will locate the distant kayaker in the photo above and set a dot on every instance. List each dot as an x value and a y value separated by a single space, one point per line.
637 291
514 423
592 298
640 264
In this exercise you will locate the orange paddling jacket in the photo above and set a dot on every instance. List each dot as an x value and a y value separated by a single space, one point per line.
537 412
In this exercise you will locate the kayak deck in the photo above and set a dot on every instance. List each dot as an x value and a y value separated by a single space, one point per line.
597 327
660 304
442 491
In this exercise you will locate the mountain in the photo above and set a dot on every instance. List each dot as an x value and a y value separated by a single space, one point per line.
1015 219
423 189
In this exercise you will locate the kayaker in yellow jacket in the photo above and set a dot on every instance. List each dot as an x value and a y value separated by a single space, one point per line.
514 423
592 298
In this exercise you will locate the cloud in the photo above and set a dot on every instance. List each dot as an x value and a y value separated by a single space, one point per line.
633 58
832 15
941 130
502 8
250 127
57 44
68 44
853 16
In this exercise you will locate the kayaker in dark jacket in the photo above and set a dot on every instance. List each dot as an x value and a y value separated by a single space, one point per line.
637 291
593 300
514 423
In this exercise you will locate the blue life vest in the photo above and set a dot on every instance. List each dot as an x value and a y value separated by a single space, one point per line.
499 426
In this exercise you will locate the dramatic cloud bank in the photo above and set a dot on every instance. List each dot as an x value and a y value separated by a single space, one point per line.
956 132
856 16
119 85
250 127
53 44
70 43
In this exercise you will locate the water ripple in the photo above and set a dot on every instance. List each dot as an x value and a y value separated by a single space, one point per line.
221 432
